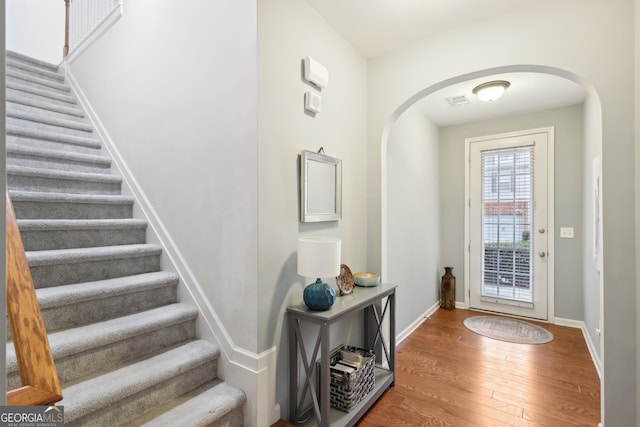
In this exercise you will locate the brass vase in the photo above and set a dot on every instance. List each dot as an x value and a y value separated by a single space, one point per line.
448 290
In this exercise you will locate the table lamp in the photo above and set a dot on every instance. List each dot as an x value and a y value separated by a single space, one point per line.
319 257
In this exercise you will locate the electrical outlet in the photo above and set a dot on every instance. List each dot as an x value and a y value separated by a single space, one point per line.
566 232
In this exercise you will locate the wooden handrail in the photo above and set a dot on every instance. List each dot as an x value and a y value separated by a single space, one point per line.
40 383
65 49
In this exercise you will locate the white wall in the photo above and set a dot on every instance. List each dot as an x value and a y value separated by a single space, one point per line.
568 196
413 208
43 38
289 30
545 34
181 109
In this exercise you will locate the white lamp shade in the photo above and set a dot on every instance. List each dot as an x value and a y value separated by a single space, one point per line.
319 256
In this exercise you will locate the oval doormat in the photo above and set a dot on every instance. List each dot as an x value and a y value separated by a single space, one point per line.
506 329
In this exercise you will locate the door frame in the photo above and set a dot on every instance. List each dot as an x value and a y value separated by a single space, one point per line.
550 214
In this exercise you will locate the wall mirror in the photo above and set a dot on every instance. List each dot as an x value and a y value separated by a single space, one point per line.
320 187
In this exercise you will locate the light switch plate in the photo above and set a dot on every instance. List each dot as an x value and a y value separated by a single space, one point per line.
566 232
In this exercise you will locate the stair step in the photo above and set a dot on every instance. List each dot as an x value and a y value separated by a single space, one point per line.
69 306
42 158
22 77
52 140
38 205
44 105
43 127
67 266
16 87
47 234
41 118
31 68
60 181
118 396
19 57
214 404
91 349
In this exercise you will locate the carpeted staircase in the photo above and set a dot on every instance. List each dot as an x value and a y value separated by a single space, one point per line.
126 351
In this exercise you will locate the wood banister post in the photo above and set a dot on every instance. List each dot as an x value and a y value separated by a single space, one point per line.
38 374
65 50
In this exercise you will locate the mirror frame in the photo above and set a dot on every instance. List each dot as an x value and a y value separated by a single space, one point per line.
308 193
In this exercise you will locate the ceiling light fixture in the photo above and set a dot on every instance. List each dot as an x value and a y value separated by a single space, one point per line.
491 91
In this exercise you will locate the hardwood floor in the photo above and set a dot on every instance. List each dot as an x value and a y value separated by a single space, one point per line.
450 376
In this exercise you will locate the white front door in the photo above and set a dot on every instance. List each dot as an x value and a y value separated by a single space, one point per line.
508 225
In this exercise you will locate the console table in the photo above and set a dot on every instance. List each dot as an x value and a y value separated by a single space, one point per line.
369 301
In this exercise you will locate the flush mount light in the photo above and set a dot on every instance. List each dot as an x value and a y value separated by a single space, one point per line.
491 91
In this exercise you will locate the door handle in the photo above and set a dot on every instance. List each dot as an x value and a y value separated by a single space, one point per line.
541 230
542 254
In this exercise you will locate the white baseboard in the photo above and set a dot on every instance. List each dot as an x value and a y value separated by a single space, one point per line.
592 348
419 321
253 373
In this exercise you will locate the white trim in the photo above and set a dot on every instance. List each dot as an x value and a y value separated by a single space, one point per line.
587 338
416 323
550 131
253 373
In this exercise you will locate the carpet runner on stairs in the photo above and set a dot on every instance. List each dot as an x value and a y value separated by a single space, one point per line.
125 348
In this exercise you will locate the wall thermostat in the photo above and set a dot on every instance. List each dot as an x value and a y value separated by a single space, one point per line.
312 102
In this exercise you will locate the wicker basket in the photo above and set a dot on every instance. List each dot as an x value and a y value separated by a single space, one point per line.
349 389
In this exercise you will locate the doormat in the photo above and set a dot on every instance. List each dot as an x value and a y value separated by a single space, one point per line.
509 330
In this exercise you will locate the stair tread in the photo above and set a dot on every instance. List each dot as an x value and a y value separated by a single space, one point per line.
77 292
75 224
32 61
57 154
201 407
14 73
62 174
38 196
32 68
43 105
85 338
43 118
59 256
21 86
100 392
53 136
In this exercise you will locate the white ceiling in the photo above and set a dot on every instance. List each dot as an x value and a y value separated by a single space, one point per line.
377 26
529 92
